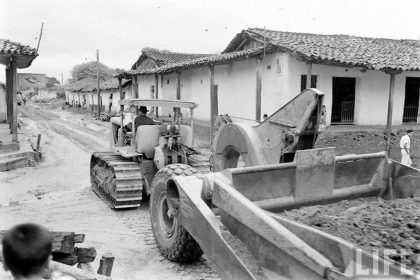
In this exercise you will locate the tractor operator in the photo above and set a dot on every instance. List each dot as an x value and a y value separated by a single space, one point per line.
141 119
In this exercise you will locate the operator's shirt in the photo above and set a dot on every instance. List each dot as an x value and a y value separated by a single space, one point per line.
143 120
405 142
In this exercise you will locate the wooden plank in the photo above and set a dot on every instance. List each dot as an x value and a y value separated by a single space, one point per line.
258 90
79 238
85 255
68 259
13 163
178 85
63 242
14 96
158 103
105 264
250 215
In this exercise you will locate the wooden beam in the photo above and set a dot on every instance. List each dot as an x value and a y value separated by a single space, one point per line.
14 93
85 255
390 107
158 103
8 96
192 124
258 90
309 75
98 90
212 105
105 264
241 45
157 93
136 86
178 85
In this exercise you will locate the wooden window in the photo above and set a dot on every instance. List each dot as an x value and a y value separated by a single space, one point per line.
303 82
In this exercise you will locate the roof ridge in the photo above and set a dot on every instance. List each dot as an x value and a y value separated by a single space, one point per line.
329 35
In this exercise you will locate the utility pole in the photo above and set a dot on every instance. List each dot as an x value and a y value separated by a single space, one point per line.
97 89
62 79
40 35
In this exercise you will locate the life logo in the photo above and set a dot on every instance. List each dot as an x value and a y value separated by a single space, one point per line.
32 80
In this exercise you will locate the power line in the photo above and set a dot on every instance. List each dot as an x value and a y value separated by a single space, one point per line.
114 14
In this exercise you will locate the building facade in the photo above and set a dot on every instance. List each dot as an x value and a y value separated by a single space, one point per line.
261 70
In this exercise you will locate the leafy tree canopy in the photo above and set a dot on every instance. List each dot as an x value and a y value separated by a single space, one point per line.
89 70
51 81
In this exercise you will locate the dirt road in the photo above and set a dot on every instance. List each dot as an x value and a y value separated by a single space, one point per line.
57 194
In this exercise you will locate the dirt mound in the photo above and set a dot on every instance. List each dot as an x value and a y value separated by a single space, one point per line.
372 223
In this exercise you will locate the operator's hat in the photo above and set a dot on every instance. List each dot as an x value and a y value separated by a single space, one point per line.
143 109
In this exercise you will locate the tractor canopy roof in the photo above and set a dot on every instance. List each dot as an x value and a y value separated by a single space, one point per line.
158 103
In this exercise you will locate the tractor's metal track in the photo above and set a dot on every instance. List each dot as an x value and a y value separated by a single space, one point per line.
117 180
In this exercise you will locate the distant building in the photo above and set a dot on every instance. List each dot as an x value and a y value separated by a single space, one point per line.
84 92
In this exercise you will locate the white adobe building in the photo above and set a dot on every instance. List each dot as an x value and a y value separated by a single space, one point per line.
84 92
261 70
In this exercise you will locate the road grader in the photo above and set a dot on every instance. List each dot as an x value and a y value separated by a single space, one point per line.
124 175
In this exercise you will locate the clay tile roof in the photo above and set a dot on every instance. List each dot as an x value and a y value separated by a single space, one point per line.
90 84
159 58
207 60
369 53
24 55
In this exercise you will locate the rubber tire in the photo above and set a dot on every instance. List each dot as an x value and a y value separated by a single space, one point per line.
181 246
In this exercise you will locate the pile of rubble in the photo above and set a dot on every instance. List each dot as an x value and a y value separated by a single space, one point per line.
372 223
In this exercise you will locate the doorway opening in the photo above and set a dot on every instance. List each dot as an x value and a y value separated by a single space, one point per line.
411 101
343 97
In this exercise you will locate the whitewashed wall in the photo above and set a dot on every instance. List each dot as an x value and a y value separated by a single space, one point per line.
371 91
281 81
3 105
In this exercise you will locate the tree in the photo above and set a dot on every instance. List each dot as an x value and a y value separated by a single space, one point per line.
119 70
89 70
51 81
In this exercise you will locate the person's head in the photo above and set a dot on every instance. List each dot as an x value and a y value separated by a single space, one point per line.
143 109
26 249
410 132
265 116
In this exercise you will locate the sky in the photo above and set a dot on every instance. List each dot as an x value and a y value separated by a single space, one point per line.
74 30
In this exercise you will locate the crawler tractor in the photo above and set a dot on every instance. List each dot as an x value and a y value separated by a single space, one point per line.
123 175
